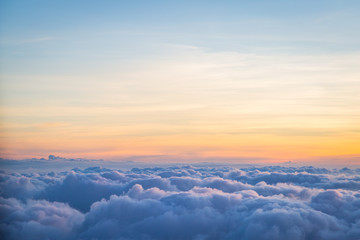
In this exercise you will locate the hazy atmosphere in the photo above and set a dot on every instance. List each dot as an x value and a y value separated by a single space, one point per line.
265 80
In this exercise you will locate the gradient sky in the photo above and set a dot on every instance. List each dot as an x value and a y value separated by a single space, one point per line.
253 81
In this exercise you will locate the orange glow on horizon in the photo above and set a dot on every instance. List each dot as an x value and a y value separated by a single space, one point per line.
263 148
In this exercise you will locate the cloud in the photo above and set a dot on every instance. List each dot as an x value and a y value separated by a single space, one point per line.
80 191
39 39
182 203
37 219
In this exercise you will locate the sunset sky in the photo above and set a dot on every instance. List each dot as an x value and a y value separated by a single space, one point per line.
238 81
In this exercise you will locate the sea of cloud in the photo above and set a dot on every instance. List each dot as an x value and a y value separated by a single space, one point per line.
182 202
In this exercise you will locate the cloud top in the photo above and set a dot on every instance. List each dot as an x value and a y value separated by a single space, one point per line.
182 203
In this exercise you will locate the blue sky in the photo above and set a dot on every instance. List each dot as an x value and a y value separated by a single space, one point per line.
172 78
38 36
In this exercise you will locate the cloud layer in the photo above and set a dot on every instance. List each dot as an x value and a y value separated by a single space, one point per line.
182 203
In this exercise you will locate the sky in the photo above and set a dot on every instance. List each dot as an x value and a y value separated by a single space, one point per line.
238 81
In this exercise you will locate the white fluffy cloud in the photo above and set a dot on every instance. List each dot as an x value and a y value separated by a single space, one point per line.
182 203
